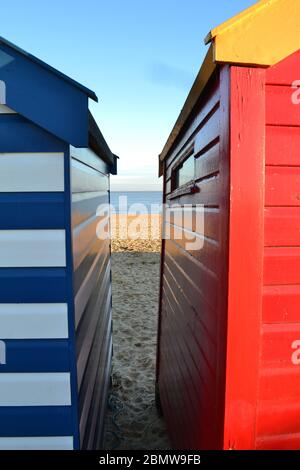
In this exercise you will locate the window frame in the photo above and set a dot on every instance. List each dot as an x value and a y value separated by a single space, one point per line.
178 166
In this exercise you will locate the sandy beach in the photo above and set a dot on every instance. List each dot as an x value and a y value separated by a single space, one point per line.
132 419
138 234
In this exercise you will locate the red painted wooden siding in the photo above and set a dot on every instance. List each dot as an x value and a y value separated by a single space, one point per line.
229 349
191 353
278 414
262 408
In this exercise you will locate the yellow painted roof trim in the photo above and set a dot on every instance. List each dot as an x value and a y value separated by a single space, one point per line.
262 35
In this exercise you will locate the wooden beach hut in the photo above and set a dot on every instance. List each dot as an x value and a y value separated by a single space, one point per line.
55 288
228 364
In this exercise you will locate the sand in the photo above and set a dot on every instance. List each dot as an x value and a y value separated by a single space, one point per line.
140 234
132 419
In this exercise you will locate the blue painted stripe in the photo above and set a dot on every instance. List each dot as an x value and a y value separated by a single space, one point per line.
36 356
30 137
36 421
36 285
31 211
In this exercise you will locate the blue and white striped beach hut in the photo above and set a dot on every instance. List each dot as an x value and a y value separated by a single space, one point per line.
55 282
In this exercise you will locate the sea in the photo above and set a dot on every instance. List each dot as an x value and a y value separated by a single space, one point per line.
140 202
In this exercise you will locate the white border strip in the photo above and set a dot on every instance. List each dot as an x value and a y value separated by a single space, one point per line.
35 389
37 443
32 248
2 92
33 321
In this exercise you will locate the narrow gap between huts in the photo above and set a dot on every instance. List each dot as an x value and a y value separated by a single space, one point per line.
132 420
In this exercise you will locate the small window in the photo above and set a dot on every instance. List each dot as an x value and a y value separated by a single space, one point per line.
185 173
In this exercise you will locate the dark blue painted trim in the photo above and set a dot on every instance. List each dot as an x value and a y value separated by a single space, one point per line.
36 356
33 285
48 67
70 293
17 134
32 211
36 421
99 145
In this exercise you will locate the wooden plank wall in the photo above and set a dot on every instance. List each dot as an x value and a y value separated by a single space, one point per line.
38 393
92 289
193 305
247 150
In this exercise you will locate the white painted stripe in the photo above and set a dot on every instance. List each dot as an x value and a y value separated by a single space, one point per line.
2 92
35 389
32 248
31 172
6 110
89 157
85 179
33 321
37 443
78 197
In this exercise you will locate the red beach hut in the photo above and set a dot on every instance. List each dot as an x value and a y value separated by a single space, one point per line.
228 362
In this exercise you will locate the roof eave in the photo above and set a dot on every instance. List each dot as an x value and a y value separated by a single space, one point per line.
206 71
90 93
274 24
98 144
262 35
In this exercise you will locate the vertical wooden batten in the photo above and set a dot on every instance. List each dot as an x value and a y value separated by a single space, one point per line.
246 234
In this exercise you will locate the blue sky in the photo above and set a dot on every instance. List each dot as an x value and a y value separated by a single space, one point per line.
140 57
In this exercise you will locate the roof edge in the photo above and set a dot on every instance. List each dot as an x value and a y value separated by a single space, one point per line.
90 93
275 24
206 71
243 15
262 35
99 145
